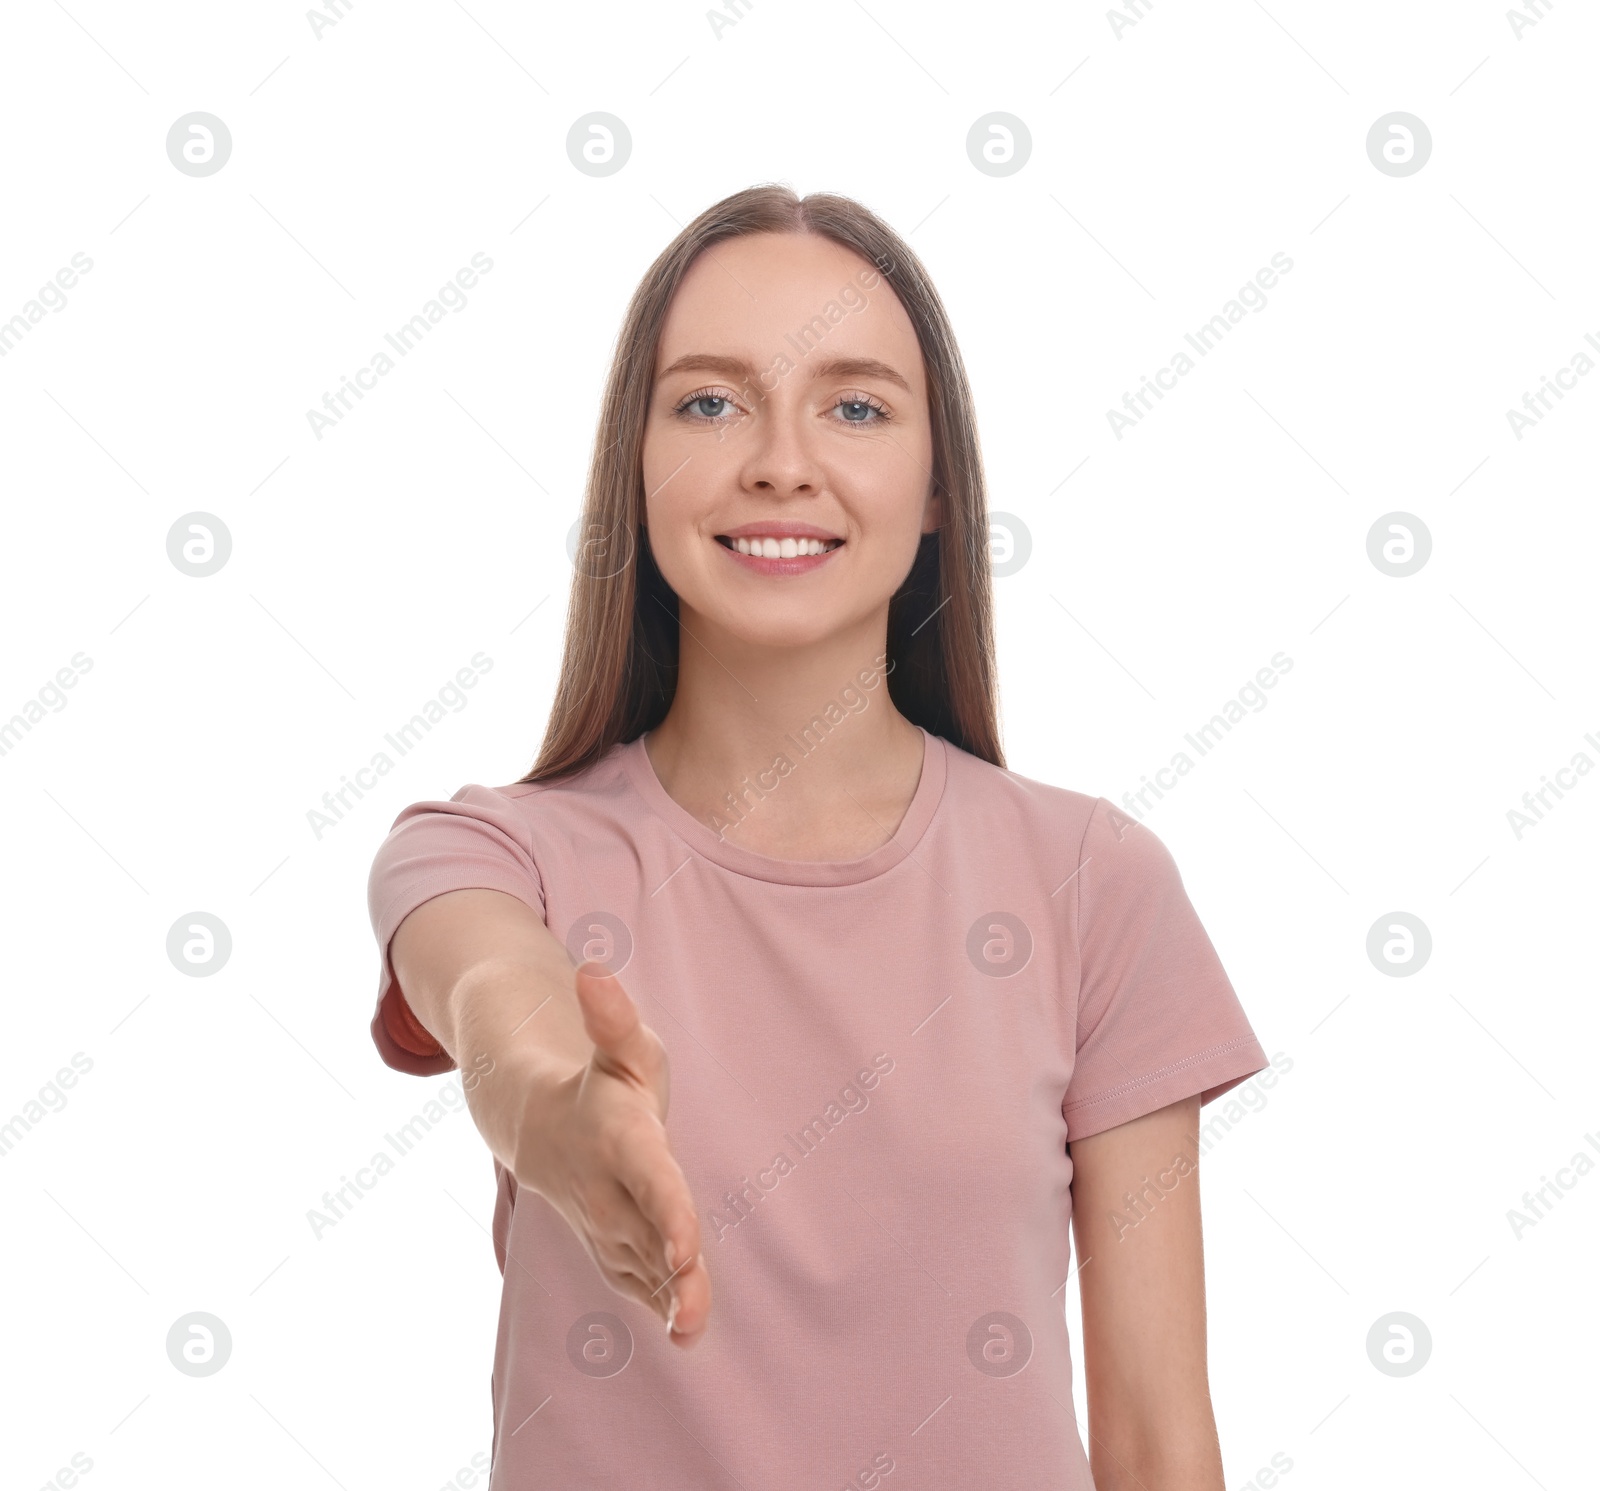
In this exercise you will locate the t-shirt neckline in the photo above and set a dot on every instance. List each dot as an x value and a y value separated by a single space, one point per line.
701 838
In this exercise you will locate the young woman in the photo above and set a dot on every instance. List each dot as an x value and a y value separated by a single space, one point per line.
918 1010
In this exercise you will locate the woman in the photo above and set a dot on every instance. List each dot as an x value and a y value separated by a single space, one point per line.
918 1009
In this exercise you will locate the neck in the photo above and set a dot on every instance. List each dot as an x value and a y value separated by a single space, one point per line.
790 748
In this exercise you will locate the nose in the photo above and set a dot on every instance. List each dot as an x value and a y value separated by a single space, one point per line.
780 459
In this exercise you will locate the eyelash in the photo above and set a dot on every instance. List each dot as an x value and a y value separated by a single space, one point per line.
681 410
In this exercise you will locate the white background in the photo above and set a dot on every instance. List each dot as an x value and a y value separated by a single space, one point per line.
1169 163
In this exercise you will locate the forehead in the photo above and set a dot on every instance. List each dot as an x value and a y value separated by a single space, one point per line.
750 296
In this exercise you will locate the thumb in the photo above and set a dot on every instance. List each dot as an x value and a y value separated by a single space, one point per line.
612 1019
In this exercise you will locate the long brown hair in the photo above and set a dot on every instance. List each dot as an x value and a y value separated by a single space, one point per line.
619 668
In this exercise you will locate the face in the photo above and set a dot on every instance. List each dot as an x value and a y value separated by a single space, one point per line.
789 416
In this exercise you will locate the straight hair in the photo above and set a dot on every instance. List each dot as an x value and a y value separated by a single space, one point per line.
619 665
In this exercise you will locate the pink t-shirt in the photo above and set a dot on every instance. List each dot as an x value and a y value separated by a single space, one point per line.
877 1065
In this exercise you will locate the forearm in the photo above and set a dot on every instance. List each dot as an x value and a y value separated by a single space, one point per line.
514 1036
1136 1219
1150 1416
1138 1444
485 977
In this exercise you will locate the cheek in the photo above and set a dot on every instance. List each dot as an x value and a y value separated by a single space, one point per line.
671 478
674 462
899 466
670 518
652 458
656 460
671 529
895 493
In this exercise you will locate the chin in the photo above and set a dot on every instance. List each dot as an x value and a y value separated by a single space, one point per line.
779 626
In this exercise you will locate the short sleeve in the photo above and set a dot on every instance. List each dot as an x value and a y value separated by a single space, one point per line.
1158 1019
477 840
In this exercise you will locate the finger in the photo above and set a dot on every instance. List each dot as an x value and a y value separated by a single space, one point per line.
654 1180
682 1303
643 1170
620 1257
693 1286
625 1281
661 1194
622 1267
616 1256
621 1237
611 1019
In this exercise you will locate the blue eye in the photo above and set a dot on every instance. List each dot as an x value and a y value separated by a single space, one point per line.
690 409
709 407
862 409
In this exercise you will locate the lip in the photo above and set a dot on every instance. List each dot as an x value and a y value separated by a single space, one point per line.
775 529
801 564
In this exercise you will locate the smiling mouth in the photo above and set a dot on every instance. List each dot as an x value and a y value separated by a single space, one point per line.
771 547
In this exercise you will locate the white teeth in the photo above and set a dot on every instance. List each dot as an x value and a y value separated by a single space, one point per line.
780 548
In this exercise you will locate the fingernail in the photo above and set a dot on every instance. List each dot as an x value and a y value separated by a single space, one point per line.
672 1255
672 1314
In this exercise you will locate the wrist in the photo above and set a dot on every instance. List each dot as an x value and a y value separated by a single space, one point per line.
513 1095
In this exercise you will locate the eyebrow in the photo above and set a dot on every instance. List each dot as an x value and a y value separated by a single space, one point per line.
833 367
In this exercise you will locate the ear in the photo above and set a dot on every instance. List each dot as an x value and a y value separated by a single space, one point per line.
933 512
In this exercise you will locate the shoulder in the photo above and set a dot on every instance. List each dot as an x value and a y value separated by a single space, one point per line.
979 786
520 807
1060 816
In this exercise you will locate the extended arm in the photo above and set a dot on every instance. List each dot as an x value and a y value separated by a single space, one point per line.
475 965
567 1085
